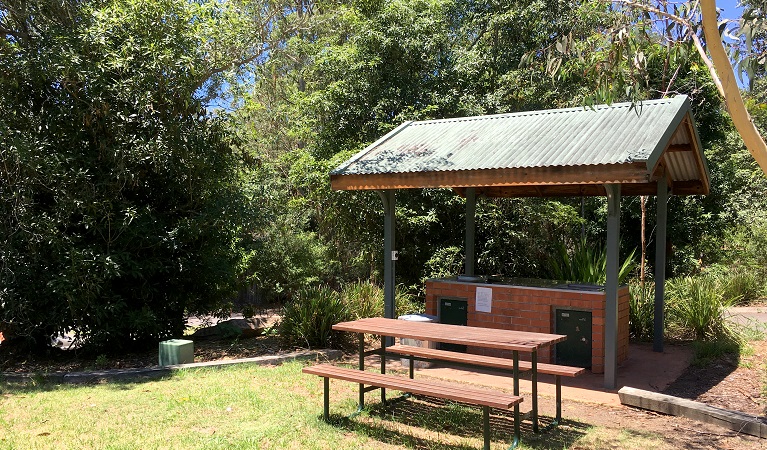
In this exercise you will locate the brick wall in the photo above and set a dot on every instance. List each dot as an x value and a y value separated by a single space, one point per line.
532 309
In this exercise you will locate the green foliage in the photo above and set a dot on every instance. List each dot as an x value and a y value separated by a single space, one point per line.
120 201
697 308
445 262
407 303
587 263
706 351
363 299
307 320
641 310
738 282
516 236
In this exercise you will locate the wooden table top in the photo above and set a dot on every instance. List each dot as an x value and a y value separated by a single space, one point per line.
452 334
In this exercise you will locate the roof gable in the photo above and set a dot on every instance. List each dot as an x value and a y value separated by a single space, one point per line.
622 143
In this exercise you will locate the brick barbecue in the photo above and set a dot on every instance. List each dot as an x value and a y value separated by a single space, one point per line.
529 308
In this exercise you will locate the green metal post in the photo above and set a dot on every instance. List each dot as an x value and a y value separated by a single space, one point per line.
486 426
515 358
471 208
660 263
534 363
611 284
326 399
412 366
361 349
383 368
559 399
389 256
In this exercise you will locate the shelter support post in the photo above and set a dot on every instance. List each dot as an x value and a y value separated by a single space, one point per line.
390 255
660 263
471 208
611 284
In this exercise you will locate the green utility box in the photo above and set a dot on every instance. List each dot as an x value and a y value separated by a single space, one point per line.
176 351
576 325
453 311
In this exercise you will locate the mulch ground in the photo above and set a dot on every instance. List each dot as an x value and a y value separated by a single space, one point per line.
74 361
732 382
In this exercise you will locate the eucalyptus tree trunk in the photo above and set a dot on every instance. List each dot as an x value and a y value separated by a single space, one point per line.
731 93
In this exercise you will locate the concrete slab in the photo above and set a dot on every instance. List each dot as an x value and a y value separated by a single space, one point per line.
644 369
748 315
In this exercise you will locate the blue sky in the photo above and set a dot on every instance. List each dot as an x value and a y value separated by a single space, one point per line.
731 11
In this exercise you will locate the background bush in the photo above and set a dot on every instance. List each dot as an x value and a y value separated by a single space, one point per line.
586 263
121 207
641 310
307 320
697 308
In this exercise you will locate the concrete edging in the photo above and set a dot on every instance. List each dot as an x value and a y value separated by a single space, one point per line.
157 372
675 406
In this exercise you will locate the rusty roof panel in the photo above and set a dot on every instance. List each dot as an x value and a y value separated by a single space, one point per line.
611 134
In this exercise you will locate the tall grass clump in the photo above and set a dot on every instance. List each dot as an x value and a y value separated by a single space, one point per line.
697 309
363 299
308 318
741 283
586 263
405 302
641 310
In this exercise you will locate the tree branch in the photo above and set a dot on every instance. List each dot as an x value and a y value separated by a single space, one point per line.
688 25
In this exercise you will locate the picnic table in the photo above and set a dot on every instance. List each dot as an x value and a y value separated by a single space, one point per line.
515 341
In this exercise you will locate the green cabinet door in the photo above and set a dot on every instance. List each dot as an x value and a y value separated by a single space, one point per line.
576 325
453 312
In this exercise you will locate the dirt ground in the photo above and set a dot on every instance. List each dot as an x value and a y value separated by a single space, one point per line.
728 382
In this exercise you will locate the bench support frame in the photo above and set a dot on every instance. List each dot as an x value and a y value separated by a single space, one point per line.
533 414
363 389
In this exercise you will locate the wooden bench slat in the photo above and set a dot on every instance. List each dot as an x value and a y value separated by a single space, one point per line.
482 360
460 393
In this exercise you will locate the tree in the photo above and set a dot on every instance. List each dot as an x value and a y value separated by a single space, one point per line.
121 204
696 22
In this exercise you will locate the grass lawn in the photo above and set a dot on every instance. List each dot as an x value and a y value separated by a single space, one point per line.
261 408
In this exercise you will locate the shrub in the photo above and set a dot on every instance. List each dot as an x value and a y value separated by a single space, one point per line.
363 299
743 285
445 262
407 303
307 319
641 310
120 199
586 263
697 308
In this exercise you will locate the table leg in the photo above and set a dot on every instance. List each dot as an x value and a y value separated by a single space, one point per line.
361 349
383 367
559 399
515 356
486 426
326 398
535 390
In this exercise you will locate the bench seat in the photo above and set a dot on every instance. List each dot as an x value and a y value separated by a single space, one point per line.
485 361
450 391
493 363
456 392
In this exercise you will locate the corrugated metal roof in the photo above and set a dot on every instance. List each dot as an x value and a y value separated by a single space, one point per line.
606 134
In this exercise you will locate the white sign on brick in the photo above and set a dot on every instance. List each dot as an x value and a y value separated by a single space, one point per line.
484 299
